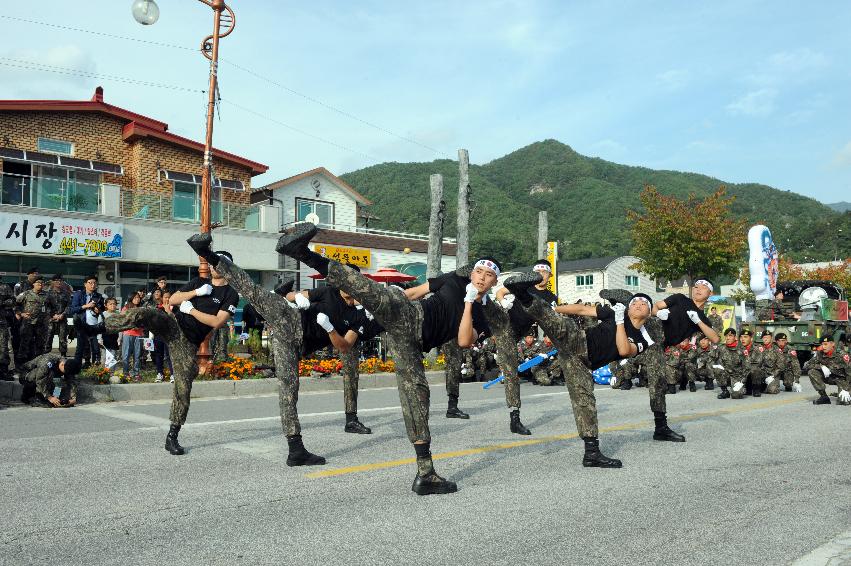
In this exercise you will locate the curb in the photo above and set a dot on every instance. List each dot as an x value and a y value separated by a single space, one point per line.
10 391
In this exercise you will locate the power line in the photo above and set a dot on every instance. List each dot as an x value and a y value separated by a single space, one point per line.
246 70
34 66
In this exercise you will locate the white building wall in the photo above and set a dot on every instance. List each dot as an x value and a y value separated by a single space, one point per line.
345 206
568 292
617 271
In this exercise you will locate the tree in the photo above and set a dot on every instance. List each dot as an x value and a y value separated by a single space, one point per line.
687 238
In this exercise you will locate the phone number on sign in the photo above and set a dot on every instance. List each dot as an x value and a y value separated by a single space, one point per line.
72 245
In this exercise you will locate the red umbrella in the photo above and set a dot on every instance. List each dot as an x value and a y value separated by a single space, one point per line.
316 276
389 275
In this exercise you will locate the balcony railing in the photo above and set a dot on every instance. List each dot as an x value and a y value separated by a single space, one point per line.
62 194
376 231
180 208
49 193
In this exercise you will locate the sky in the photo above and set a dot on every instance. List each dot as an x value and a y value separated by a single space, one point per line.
744 91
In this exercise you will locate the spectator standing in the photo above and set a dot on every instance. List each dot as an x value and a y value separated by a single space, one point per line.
161 353
131 342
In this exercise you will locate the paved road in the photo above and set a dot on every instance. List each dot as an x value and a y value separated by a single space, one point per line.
760 481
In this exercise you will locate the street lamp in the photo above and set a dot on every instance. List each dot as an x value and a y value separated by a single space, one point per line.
147 12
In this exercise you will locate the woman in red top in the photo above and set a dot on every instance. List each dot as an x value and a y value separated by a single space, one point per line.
131 341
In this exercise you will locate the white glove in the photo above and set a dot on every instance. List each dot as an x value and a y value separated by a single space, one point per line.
769 380
796 387
844 396
825 370
475 349
301 301
619 312
368 315
693 316
663 314
472 293
186 307
463 371
738 386
507 301
543 356
624 362
325 322
204 289
717 366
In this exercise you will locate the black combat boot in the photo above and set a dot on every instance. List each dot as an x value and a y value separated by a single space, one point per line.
823 399
427 481
710 384
453 412
642 382
299 456
757 390
200 244
725 394
171 444
626 385
683 383
354 426
593 458
663 431
294 244
284 288
519 286
787 388
672 389
615 296
692 387
516 426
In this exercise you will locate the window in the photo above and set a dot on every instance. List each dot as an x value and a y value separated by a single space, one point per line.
48 145
63 189
584 280
631 280
324 210
186 204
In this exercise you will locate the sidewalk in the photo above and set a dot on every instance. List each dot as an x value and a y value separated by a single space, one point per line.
10 391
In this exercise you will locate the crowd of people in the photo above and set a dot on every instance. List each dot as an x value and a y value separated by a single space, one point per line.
666 344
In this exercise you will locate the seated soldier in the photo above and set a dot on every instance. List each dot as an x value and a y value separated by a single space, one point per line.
730 366
828 366
37 377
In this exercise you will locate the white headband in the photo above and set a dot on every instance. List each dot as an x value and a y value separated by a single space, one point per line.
632 300
488 264
704 282
542 267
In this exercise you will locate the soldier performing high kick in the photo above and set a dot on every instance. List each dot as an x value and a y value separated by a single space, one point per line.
413 326
619 334
204 305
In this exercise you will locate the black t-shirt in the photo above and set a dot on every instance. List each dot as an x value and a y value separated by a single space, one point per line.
602 345
223 298
679 326
522 322
442 311
367 329
325 300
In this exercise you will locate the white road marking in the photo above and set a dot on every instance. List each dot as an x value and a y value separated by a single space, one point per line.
835 552
124 415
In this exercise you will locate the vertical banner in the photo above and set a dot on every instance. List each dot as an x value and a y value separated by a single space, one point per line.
552 257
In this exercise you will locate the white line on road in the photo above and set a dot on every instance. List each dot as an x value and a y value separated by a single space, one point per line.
124 415
833 553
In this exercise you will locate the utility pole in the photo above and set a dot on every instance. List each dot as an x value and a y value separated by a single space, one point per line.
462 256
542 233
435 226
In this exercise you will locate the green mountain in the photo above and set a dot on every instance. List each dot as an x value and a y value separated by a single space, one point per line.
586 200
840 206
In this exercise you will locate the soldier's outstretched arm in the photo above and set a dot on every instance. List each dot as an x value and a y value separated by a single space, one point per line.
579 310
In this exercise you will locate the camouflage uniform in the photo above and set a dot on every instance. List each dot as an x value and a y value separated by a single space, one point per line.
772 309
772 363
403 320
183 352
507 358
7 305
58 302
573 358
454 357
703 362
839 365
487 353
623 372
37 376
35 329
285 338
791 372
677 365
735 369
653 361
753 366
716 322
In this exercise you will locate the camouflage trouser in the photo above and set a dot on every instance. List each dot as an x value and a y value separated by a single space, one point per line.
351 375
32 340
622 371
403 320
219 343
820 382
542 374
59 328
653 361
452 370
754 376
674 374
789 376
572 356
69 388
285 338
507 357
183 352
4 351
774 387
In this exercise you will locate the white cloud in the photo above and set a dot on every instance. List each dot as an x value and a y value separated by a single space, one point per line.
843 156
798 61
755 103
673 79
